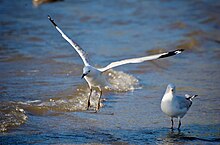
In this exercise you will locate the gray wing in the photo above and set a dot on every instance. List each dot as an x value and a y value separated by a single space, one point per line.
184 102
78 49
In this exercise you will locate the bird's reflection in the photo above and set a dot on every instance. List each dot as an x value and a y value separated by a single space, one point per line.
172 136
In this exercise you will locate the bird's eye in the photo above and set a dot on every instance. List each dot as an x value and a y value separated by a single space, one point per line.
89 71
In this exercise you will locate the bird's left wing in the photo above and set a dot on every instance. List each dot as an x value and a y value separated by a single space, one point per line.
78 49
184 103
140 59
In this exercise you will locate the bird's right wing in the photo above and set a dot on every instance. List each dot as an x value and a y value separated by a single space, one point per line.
140 59
79 50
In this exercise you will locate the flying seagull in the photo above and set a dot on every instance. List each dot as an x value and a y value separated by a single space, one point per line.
93 75
175 106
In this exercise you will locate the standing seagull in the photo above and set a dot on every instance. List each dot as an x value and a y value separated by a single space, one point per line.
93 75
175 106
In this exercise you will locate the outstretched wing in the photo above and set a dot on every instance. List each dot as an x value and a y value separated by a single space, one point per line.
140 59
79 50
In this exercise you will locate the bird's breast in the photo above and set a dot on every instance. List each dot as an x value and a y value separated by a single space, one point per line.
96 81
169 108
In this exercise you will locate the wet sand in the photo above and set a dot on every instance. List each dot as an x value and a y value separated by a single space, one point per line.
43 99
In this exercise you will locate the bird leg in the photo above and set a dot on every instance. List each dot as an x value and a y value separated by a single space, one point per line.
171 123
179 119
99 102
90 93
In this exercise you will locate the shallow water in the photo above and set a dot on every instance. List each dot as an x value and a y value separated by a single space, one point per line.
43 99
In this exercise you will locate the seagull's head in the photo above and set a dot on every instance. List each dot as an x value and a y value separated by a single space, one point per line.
86 71
171 89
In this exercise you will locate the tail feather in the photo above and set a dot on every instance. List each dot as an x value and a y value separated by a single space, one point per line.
188 97
193 97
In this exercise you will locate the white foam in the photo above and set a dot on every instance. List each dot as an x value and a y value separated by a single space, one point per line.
119 80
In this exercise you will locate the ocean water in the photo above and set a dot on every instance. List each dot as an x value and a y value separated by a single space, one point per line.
43 99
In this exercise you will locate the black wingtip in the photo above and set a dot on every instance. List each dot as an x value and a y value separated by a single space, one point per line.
171 53
52 21
48 16
180 50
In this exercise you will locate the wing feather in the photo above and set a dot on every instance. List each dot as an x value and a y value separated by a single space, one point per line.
184 103
78 49
140 59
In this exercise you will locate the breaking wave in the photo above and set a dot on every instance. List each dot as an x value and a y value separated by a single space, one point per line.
11 116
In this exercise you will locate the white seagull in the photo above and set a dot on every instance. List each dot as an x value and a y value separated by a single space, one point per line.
175 106
93 75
